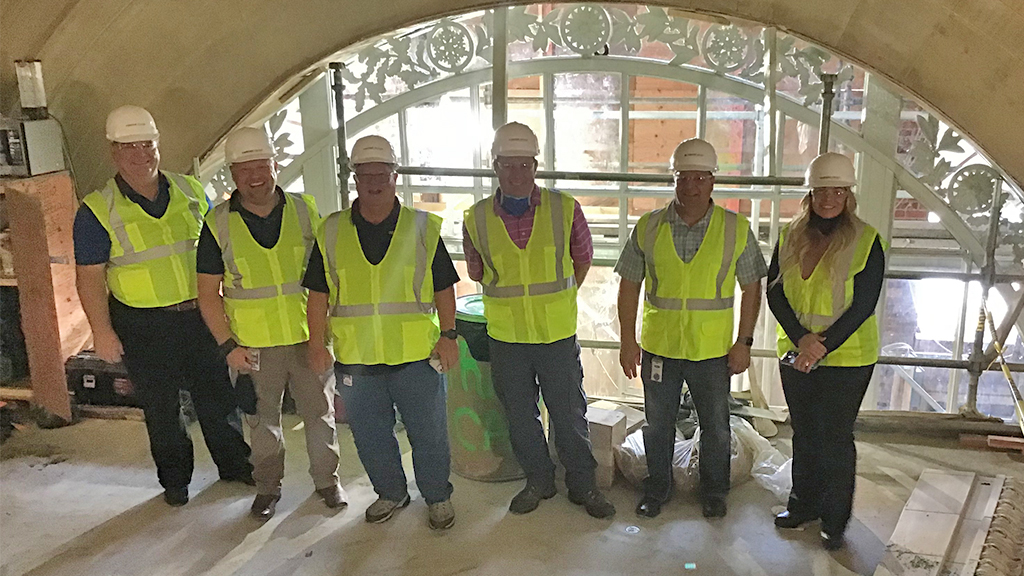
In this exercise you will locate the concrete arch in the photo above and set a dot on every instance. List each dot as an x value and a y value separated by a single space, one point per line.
201 66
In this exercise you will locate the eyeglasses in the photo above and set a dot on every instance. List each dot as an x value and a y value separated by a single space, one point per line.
144 145
693 178
376 178
506 165
830 192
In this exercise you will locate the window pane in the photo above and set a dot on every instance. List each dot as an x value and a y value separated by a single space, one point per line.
432 142
526 105
662 113
586 114
732 130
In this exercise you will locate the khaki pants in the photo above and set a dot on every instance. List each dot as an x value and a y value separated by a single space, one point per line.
314 401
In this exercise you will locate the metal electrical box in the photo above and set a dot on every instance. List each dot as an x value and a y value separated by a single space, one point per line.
30 147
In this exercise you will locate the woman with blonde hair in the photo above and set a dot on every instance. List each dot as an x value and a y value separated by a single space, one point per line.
823 284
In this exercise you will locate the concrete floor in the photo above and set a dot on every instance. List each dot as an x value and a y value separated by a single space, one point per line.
84 500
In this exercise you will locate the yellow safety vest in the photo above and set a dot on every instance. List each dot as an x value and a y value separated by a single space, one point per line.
529 294
823 297
263 295
152 260
688 305
382 313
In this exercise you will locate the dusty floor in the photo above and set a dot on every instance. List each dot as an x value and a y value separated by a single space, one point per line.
84 500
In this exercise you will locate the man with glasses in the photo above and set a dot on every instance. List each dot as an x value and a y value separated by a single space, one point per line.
531 248
136 238
690 255
382 291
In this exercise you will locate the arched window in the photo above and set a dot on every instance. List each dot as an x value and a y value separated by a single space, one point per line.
613 89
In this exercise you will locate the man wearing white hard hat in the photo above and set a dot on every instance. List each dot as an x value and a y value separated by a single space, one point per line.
382 292
689 256
531 248
254 248
136 238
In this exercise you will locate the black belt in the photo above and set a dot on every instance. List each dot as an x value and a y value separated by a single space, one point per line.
180 306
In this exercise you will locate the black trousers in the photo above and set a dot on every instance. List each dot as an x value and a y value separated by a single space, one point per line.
823 407
708 381
521 372
165 352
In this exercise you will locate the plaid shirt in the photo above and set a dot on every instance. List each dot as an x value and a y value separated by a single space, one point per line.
631 265
581 247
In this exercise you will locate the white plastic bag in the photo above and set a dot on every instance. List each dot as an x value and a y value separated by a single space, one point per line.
771 469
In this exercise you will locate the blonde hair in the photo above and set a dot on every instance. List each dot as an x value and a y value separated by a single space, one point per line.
800 236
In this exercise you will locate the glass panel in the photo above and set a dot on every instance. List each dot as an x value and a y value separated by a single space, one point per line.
432 142
526 105
895 391
603 377
602 214
921 317
662 113
732 130
800 146
449 207
586 114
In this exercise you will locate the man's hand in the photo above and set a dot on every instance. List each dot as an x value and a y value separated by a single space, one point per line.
241 360
629 357
108 346
447 350
739 358
318 357
811 345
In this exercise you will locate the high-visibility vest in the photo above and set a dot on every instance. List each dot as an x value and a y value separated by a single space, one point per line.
688 306
152 260
263 295
824 296
382 313
529 294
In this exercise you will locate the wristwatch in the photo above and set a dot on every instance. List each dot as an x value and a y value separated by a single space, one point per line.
450 334
748 341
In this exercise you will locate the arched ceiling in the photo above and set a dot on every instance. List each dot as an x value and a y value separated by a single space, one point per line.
201 66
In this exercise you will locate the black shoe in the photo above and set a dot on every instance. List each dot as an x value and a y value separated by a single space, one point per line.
713 508
242 478
176 496
264 506
529 498
789 520
831 541
596 504
649 506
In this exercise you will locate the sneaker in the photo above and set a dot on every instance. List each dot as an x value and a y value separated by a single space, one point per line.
529 498
790 520
176 496
264 506
383 509
595 502
334 496
442 515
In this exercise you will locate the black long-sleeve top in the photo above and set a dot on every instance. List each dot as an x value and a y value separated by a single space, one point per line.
867 286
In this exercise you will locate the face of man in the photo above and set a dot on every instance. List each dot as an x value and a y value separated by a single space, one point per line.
516 174
829 202
375 184
137 162
256 179
693 188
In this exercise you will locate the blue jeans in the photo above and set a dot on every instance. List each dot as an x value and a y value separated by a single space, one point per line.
420 394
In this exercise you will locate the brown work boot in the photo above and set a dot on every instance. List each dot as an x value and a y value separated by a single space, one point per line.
334 496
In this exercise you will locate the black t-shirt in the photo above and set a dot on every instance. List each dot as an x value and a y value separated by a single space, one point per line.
374 239
265 231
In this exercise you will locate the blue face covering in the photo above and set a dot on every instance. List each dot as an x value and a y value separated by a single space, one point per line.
515 206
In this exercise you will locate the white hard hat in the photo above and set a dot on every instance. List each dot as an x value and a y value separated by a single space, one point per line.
131 124
830 170
695 154
514 139
247 144
372 149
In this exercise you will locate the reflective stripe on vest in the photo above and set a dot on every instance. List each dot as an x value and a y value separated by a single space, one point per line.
716 303
131 255
222 214
861 348
383 308
492 289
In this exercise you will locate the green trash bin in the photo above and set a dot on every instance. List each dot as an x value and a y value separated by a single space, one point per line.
477 428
